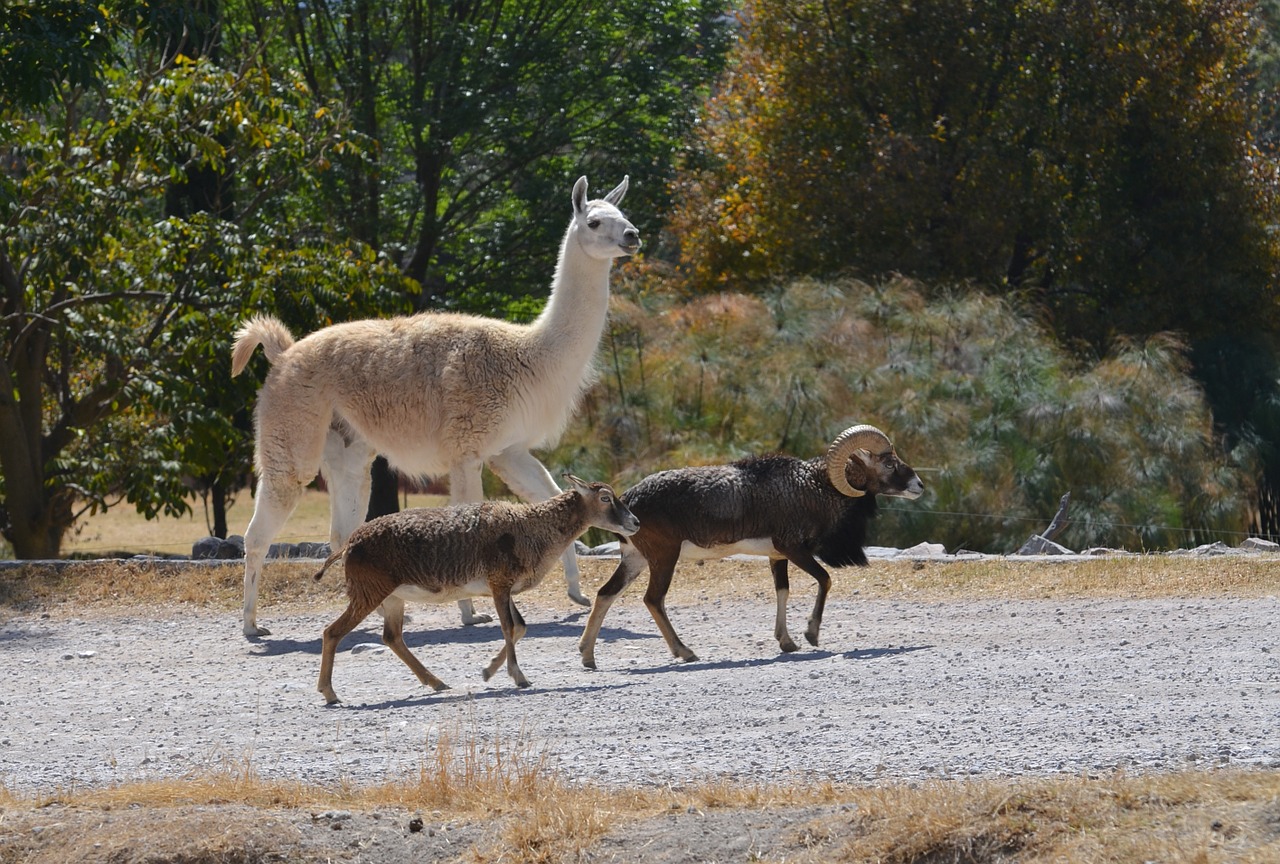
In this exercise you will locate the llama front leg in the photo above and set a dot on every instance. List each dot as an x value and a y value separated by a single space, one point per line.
530 479
466 487
272 507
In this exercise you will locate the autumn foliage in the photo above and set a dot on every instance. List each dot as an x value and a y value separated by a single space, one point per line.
1100 156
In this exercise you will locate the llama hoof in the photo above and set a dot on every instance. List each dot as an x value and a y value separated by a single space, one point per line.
579 599
253 630
468 620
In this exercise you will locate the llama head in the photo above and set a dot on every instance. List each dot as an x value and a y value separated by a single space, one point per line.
602 231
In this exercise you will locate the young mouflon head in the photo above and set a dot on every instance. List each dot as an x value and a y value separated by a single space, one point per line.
607 510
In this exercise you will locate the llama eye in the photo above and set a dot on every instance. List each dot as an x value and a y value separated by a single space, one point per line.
593 224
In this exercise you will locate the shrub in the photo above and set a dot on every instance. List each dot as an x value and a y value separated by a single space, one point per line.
975 393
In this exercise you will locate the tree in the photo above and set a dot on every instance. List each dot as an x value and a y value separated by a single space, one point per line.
1096 155
976 394
45 43
108 306
484 111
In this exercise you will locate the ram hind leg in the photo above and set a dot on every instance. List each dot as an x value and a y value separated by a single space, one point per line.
393 638
513 630
782 587
359 605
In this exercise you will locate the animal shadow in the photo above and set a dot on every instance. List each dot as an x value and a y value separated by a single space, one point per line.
462 695
877 653
785 657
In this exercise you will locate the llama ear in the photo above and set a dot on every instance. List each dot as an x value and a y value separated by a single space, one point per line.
580 196
615 197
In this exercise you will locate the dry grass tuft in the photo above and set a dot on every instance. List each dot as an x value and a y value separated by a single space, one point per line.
1184 817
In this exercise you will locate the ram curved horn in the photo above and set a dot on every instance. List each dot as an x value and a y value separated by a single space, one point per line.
854 438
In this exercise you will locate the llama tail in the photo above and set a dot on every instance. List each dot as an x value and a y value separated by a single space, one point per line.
263 330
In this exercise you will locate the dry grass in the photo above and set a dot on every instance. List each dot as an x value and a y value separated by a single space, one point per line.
121 529
525 813
142 584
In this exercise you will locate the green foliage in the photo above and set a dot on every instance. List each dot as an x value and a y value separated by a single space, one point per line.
976 395
44 43
485 112
117 320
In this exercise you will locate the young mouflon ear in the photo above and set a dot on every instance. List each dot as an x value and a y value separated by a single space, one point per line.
580 196
615 197
581 486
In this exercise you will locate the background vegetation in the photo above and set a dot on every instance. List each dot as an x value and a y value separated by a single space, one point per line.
1034 242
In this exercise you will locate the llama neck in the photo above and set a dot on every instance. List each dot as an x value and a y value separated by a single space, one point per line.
570 325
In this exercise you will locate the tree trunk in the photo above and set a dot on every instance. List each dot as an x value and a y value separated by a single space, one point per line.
34 524
218 500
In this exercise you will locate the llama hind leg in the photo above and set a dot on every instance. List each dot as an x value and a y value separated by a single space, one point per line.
530 479
465 487
346 472
273 505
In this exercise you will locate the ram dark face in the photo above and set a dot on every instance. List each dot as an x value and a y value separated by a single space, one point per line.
884 474
862 461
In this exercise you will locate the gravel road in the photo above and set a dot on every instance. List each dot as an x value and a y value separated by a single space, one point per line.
898 690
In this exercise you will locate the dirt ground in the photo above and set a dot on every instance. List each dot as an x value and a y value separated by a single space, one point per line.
897 691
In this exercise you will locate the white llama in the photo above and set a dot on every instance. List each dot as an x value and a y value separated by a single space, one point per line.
432 392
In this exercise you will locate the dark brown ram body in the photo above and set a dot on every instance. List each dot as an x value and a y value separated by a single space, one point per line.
791 510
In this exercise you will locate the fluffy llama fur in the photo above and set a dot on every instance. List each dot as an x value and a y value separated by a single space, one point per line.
432 392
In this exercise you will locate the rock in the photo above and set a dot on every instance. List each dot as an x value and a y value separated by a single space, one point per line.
923 549
1210 550
1039 545
217 548
298 550
1257 544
